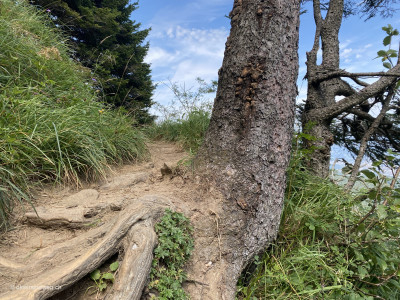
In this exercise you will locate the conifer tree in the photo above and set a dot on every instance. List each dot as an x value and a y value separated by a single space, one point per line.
106 40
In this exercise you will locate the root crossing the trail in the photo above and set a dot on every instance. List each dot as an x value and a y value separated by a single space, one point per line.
51 251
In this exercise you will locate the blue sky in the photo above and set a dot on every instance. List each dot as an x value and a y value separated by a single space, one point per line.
187 40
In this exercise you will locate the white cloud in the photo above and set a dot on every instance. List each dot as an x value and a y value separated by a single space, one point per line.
345 44
359 57
346 52
180 54
159 56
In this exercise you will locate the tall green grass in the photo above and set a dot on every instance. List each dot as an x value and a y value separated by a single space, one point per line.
51 126
188 131
331 244
185 121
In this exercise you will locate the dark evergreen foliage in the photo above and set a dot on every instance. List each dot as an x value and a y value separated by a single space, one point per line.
106 40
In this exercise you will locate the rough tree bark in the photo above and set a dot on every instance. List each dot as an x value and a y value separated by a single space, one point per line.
323 94
247 146
325 83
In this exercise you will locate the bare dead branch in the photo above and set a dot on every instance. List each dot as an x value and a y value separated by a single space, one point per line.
348 102
359 82
312 55
366 116
365 139
322 76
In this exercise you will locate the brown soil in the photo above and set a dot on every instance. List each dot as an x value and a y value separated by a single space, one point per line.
66 212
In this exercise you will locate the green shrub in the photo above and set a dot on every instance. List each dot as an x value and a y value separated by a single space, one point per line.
175 244
51 126
188 132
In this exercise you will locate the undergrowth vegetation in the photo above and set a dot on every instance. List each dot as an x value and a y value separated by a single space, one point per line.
331 244
175 244
51 126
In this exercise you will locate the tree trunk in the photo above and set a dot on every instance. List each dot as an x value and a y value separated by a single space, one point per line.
322 94
325 83
247 147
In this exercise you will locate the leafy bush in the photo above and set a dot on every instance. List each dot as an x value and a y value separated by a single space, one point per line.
175 245
331 245
51 127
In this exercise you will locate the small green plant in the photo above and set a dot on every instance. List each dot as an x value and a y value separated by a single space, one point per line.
175 244
388 55
101 279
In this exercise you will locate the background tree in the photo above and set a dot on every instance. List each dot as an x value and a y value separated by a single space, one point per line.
106 40
246 149
326 81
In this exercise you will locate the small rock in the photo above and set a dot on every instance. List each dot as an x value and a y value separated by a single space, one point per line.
90 212
150 165
165 170
116 206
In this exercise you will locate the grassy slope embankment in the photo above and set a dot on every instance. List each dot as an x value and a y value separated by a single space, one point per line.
52 128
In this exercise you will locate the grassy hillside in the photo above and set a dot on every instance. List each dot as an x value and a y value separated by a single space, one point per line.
51 126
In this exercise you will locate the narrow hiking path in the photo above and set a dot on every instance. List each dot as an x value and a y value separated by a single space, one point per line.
71 220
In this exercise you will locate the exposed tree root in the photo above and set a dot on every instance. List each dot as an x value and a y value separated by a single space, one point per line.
73 218
136 265
131 231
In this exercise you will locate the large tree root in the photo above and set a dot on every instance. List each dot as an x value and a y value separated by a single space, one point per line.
135 268
58 267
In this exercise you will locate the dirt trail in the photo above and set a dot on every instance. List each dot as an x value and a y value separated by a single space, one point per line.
66 213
